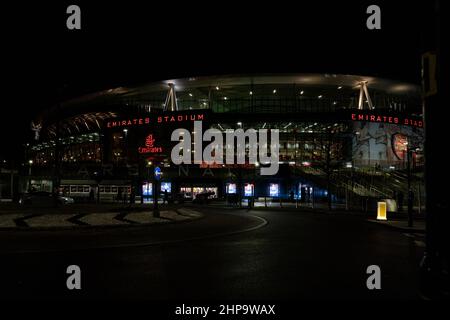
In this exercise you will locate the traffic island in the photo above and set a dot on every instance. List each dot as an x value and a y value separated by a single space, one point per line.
95 219
135 229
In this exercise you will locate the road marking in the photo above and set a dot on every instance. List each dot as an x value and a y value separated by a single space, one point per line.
99 219
121 217
50 220
145 218
76 219
172 215
20 222
189 213
8 220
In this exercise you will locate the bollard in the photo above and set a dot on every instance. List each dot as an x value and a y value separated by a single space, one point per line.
381 211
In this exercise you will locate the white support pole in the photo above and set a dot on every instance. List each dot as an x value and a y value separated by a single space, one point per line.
366 92
171 99
361 96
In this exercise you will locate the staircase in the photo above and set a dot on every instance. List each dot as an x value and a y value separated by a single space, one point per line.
362 183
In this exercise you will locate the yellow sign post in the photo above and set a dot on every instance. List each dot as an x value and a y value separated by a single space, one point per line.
382 208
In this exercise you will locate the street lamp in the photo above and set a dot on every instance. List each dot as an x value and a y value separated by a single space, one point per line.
125 149
30 163
156 176
253 195
147 180
149 165
295 168
409 152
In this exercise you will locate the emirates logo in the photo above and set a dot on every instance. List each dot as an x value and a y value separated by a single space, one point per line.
150 146
149 141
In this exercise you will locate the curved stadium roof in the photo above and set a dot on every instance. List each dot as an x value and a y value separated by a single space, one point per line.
195 92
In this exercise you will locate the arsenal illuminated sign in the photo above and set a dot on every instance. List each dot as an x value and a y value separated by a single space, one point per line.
399 145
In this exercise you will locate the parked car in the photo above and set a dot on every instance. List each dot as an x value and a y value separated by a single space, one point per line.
203 197
182 197
44 198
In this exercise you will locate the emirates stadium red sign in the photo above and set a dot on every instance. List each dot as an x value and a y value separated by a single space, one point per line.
387 119
157 119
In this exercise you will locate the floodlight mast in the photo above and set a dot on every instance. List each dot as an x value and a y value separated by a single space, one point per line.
171 99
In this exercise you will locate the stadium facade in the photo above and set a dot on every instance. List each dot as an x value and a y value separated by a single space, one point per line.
339 134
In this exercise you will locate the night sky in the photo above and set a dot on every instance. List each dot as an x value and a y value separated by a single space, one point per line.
127 43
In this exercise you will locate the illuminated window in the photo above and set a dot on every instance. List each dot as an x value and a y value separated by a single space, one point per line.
166 186
274 190
231 188
249 189
147 189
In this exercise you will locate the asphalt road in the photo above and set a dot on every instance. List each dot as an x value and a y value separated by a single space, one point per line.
296 255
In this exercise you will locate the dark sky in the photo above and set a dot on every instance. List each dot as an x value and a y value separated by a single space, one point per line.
130 43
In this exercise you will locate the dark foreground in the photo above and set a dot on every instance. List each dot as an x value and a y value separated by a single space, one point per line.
297 255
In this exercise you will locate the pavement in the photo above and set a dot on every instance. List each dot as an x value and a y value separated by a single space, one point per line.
396 220
418 226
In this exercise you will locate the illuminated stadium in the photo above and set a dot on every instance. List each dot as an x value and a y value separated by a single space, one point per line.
341 137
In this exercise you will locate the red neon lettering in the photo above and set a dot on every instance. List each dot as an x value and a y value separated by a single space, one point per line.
150 150
200 117
372 118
